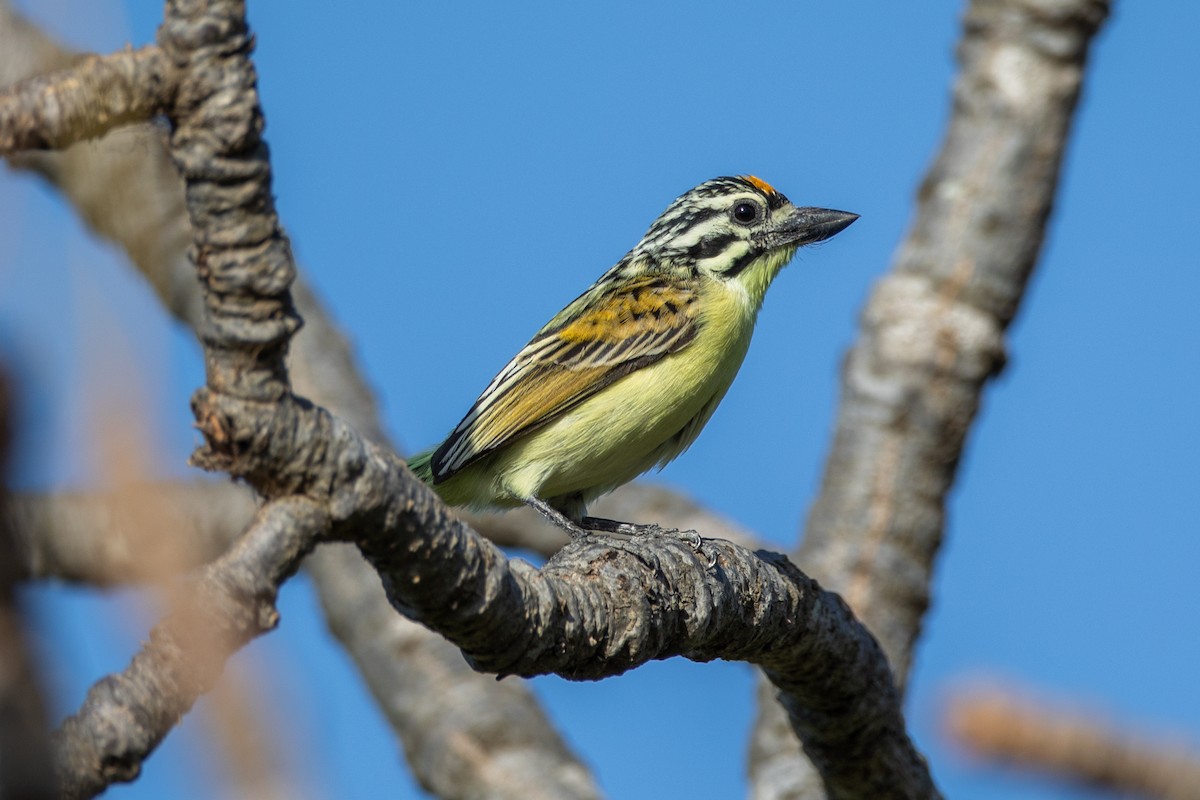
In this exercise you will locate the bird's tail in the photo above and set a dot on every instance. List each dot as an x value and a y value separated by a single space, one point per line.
422 466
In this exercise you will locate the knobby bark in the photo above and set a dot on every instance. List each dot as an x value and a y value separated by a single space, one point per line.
932 331
256 430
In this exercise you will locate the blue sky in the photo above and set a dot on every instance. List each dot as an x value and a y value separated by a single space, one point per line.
453 174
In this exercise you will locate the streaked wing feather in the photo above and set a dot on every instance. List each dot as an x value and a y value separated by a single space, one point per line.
630 326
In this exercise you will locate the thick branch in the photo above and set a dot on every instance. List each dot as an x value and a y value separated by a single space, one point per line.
85 100
604 606
932 332
230 602
601 607
1017 730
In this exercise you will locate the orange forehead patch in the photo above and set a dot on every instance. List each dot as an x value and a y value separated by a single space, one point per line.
760 184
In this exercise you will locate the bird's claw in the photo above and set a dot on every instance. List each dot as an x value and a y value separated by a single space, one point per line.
689 537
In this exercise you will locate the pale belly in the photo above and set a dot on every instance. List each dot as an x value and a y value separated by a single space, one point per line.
643 420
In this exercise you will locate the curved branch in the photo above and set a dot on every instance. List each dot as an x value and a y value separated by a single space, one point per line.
507 619
603 605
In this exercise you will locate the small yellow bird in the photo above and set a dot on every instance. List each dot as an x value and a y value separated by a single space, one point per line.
624 378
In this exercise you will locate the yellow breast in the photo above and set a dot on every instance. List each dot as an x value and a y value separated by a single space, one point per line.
642 420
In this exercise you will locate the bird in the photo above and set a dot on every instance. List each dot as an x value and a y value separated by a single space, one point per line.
624 378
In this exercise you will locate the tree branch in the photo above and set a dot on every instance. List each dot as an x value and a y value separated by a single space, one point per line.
93 538
435 568
932 331
603 606
85 100
1014 729
232 601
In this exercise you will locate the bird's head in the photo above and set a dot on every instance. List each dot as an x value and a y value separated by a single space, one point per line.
737 229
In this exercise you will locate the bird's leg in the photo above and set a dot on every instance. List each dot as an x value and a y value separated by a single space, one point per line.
615 526
579 530
557 518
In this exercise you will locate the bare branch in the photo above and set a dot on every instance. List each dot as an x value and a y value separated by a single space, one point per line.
85 100
603 606
1014 729
90 538
932 332
507 618
232 601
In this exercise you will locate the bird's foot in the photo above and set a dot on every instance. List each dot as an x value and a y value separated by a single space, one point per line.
691 538
580 530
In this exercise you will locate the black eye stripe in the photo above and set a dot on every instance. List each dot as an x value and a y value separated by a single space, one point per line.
710 246
740 263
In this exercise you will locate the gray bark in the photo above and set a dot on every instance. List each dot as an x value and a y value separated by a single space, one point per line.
932 333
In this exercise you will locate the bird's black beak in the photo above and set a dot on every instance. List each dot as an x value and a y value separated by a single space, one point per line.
810 225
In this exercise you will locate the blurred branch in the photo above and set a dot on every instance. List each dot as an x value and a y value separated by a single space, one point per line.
1014 729
25 761
90 537
84 101
231 601
932 331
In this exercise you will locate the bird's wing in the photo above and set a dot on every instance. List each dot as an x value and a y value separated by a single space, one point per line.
627 327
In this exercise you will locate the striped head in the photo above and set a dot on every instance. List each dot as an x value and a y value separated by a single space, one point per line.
728 227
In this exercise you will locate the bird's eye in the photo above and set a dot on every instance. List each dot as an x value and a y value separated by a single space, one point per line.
745 212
